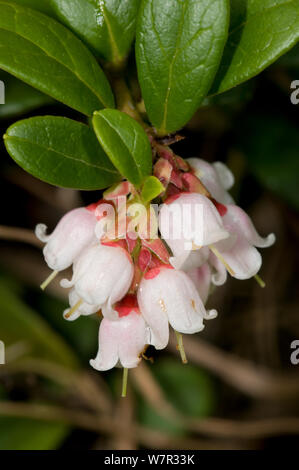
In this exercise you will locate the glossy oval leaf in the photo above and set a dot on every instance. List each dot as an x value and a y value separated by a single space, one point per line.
107 26
47 56
61 152
260 32
178 49
125 143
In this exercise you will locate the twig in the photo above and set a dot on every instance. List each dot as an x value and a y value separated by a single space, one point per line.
91 422
245 376
19 235
257 429
81 382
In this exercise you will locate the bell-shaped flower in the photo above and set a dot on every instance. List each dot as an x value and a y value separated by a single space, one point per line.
122 341
188 222
238 252
218 270
202 278
73 233
190 259
166 296
78 307
216 177
102 274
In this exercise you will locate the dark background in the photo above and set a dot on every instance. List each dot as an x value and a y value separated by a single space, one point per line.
239 390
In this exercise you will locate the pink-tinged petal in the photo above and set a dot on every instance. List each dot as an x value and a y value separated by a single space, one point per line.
210 177
107 356
236 220
109 275
121 342
81 264
73 317
109 312
201 278
171 295
133 339
242 258
73 233
83 309
101 273
225 176
190 259
153 312
219 276
190 219
40 233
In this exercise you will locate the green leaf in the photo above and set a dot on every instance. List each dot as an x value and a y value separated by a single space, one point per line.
107 27
19 97
152 188
44 6
60 151
125 143
28 434
178 49
47 56
21 324
272 154
260 32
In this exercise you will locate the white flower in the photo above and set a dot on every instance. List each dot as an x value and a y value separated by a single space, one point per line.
121 341
72 234
188 222
238 251
201 278
169 296
83 309
216 177
101 275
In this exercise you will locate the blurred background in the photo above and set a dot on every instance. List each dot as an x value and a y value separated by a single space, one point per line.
240 389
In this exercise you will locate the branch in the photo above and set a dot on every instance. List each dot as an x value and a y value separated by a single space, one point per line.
146 437
19 235
252 380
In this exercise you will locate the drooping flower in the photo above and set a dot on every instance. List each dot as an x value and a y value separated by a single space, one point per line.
72 234
239 251
78 307
166 296
188 222
201 278
122 341
216 177
102 275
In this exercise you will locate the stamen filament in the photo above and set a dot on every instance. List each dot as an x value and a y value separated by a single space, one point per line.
260 281
220 257
180 347
125 382
48 280
73 309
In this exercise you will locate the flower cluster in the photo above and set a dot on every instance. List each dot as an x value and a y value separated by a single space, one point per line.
141 285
